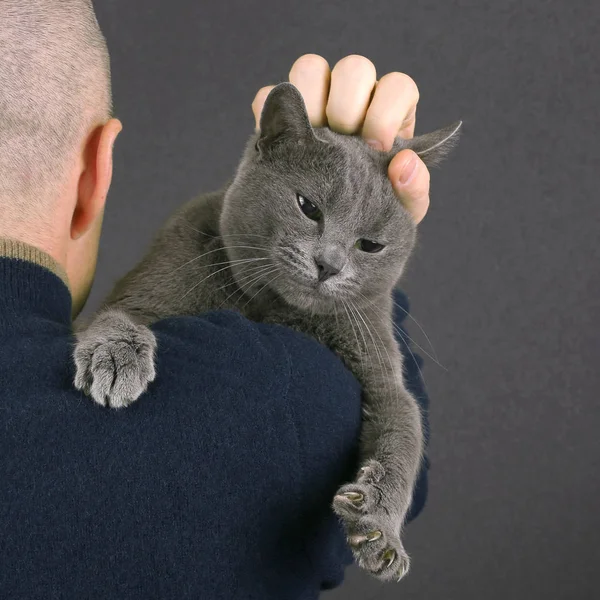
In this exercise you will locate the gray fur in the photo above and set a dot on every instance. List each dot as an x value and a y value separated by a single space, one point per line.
248 247
114 359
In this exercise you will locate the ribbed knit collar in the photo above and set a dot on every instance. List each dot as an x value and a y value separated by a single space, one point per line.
31 284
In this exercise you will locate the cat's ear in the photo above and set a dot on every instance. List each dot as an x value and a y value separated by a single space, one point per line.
431 147
284 116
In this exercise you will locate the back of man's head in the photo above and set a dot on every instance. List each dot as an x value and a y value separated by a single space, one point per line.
54 90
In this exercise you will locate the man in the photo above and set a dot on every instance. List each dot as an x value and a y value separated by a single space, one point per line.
218 482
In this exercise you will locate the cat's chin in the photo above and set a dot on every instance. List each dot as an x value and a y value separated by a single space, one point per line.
308 303
306 298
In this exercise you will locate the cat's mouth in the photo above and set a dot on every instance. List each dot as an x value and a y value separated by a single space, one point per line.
299 291
298 286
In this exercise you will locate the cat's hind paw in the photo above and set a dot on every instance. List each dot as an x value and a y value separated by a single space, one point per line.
373 532
114 361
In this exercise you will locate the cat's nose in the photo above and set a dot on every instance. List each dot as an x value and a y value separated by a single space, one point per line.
326 269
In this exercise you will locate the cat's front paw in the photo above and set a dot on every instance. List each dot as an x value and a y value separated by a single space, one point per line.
373 531
115 361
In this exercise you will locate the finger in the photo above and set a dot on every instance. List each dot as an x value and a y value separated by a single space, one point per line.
392 111
259 102
407 129
311 75
410 180
352 82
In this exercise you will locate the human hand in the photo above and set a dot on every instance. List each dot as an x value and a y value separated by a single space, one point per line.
349 99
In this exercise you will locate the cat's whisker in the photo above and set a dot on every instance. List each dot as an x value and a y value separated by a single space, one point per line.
408 348
418 325
406 344
416 363
243 282
203 280
239 262
373 340
240 289
379 357
237 289
352 308
247 285
233 283
264 286
254 278
263 248
221 237
354 311
198 231
335 312
266 237
375 346
231 280
403 334
247 275
212 252
351 324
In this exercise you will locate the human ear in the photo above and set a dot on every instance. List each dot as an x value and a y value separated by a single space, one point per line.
95 178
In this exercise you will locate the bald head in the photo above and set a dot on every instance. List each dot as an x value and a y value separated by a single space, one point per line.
54 90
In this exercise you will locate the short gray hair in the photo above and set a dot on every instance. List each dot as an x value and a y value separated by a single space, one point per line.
54 89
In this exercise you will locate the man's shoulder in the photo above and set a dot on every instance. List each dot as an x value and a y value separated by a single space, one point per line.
228 338
215 350
237 436
224 355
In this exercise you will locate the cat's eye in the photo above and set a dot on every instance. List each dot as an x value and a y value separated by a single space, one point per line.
369 246
308 208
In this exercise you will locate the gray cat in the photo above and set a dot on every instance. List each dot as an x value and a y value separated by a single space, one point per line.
308 234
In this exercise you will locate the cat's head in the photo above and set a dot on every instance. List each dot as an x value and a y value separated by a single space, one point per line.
316 210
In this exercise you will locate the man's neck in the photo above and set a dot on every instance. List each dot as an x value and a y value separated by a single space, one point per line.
21 250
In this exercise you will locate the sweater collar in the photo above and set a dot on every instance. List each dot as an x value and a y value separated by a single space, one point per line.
31 283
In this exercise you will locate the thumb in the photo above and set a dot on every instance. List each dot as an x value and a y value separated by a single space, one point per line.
410 179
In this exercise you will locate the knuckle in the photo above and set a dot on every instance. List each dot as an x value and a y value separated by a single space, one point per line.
261 95
309 62
422 180
357 63
426 174
405 83
260 98
341 123
410 119
384 134
380 124
422 173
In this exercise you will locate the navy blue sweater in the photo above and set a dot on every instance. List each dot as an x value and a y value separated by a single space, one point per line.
216 484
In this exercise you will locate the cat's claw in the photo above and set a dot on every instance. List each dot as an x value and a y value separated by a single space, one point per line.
388 556
115 366
403 570
373 533
356 498
356 540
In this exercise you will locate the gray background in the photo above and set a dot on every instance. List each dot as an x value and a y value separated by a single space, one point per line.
505 278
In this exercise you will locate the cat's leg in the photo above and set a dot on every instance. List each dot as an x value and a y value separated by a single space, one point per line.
114 358
373 508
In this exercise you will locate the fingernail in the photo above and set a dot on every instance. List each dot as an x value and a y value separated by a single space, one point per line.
375 144
408 170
